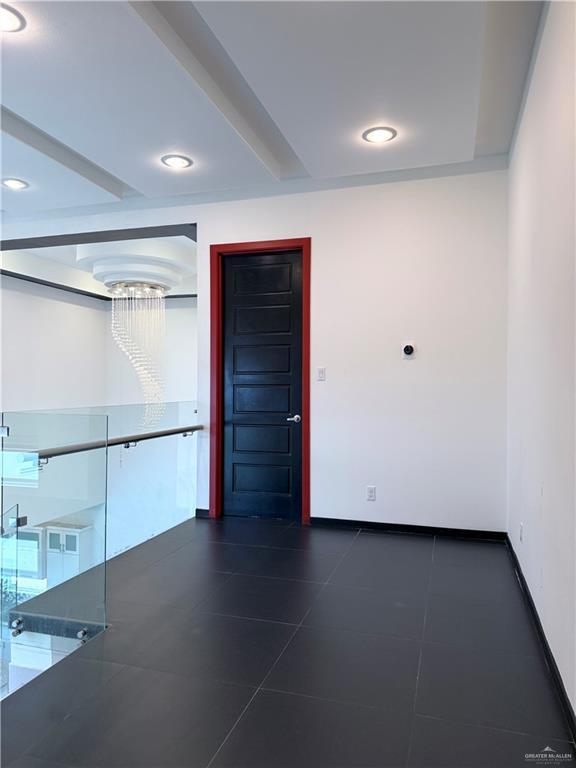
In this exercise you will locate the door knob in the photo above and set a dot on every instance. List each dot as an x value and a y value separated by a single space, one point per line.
297 419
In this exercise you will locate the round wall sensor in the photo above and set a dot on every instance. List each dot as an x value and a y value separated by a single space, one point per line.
408 350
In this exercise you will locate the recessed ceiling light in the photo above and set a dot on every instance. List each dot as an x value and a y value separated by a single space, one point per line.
177 161
379 135
11 20
15 183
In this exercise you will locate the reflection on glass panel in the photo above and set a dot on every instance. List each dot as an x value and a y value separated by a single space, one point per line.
30 561
123 420
53 547
151 488
9 593
20 468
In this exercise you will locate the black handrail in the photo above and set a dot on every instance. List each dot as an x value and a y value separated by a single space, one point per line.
50 453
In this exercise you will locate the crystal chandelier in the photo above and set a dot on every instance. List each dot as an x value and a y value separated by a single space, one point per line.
138 325
138 274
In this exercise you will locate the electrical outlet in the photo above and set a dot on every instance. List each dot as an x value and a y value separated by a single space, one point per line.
321 374
370 493
521 533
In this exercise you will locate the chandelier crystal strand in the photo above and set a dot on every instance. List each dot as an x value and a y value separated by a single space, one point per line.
138 328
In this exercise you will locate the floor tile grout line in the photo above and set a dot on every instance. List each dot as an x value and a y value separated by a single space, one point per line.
494 728
344 702
245 573
376 707
200 611
419 668
274 578
79 705
263 546
248 618
144 543
267 675
191 678
245 709
342 558
325 628
291 526
263 576
480 649
357 533
271 546
155 562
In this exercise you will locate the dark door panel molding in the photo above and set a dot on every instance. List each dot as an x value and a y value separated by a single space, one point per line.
262 296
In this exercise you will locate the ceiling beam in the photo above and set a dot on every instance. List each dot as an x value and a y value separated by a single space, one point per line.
157 22
100 236
23 131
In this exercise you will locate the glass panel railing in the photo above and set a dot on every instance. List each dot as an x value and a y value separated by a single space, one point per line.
151 485
9 589
151 488
80 485
131 419
54 539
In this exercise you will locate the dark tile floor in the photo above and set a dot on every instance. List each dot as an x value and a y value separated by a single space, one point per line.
244 644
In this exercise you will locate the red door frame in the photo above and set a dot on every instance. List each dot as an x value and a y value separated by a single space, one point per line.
217 252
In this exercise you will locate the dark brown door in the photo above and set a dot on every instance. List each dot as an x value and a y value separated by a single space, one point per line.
263 385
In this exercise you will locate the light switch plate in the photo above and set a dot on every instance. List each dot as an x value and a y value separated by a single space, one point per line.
321 374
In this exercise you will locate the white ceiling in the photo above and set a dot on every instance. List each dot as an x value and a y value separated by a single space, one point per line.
262 95
326 71
103 85
52 185
60 264
179 248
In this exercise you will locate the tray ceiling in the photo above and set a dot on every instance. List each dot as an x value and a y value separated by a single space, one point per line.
264 97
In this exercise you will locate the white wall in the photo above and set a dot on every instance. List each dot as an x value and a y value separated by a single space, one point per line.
53 347
179 364
420 261
153 486
541 424
57 351
423 261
